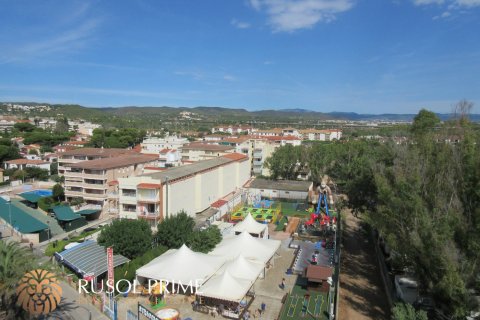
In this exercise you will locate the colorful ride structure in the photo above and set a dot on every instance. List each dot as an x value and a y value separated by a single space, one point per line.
322 207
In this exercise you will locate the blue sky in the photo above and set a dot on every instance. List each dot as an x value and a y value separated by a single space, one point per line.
366 56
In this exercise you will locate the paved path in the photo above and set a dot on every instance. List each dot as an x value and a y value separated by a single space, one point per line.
75 307
362 293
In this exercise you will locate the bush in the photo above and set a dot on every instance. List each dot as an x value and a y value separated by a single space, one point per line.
46 203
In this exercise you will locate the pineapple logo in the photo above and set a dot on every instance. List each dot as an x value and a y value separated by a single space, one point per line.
39 292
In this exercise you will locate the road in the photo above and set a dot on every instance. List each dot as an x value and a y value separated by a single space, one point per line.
75 307
362 295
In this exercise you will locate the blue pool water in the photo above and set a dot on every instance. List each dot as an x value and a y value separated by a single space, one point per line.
42 193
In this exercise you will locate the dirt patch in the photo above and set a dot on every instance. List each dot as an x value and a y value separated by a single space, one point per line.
362 294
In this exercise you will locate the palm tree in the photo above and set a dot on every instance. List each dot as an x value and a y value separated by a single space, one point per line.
15 261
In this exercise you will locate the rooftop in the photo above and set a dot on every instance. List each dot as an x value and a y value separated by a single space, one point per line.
26 161
197 167
99 152
285 185
21 220
207 147
114 162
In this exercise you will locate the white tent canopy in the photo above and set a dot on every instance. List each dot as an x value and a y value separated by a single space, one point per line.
250 225
182 265
243 269
225 287
261 250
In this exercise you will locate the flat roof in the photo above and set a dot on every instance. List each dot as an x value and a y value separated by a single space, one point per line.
21 220
119 161
284 185
191 169
99 152
207 147
88 258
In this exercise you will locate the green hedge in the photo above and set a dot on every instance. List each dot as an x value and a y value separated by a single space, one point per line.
59 245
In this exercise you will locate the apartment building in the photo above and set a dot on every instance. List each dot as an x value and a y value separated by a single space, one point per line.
191 188
93 180
203 151
234 129
321 135
23 163
83 154
154 145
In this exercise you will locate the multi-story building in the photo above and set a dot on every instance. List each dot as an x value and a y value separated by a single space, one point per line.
93 180
23 163
169 158
321 135
154 145
191 188
82 154
202 151
234 129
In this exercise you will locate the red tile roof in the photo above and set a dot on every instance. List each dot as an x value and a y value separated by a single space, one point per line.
26 161
318 272
235 156
218 203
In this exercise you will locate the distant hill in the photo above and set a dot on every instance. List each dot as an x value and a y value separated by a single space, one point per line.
152 115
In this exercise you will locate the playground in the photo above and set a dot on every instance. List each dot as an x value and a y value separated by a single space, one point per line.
302 303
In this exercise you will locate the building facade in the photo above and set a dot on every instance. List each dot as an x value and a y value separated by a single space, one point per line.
191 188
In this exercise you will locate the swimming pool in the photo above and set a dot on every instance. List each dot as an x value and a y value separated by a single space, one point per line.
42 192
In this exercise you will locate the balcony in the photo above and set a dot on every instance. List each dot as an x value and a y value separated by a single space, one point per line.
94 195
94 186
149 215
148 199
258 163
72 174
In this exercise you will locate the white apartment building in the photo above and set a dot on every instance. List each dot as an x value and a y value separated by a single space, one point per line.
169 158
191 188
154 145
234 129
321 135
202 151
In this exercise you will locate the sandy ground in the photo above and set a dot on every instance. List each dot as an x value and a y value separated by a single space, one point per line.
361 290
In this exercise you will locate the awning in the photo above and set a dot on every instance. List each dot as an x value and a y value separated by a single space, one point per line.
88 258
65 213
30 197
87 212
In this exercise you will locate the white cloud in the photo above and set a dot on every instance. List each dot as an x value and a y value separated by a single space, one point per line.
240 24
426 2
228 77
451 3
468 3
444 15
293 15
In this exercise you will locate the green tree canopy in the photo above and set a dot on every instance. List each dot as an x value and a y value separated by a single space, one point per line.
58 193
130 238
174 231
403 311
24 127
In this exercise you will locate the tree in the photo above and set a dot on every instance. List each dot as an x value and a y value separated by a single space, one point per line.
58 193
24 126
15 261
130 238
33 151
286 162
402 311
62 125
175 230
204 240
425 121
8 153
37 173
